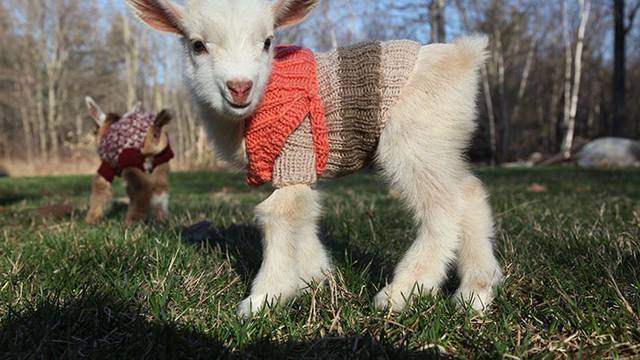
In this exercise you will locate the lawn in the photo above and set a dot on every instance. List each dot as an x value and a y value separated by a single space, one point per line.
568 240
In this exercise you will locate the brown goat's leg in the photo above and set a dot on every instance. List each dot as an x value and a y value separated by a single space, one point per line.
139 188
160 197
100 194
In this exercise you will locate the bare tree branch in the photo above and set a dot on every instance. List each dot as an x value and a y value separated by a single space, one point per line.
631 17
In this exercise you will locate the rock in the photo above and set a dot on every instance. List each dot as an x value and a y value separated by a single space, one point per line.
609 152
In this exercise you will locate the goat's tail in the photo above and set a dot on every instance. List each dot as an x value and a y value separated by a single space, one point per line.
472 49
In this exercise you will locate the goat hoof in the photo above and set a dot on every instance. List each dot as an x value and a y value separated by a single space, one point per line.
479 292
93 219
390 299
251 306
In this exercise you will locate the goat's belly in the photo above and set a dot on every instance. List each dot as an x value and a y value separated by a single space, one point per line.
358 86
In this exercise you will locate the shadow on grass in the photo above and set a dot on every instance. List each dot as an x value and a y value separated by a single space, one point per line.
372 261
95 325
9 198
243 244
118 209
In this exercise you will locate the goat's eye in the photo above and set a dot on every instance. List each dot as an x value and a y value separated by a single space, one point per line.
267 44
199 47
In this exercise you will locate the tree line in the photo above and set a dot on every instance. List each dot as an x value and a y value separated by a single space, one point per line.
558 73
56 52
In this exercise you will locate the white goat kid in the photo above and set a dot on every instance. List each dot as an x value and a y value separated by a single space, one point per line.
228 57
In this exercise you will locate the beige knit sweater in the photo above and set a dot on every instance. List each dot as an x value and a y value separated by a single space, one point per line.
358 86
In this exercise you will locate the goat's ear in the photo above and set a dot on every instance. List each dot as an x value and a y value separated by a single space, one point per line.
112 118
162 15
291 12
95 112
163 118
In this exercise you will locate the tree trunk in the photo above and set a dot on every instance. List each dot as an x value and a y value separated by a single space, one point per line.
619 70
131 61
437 21
330 27
26 131
568 61
524 80
585 8
42 123
486 87
51 119
505 123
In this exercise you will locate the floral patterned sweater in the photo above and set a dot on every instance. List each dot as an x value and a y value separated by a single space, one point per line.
121 146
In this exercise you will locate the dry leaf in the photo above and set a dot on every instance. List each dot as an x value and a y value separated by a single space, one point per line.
537 188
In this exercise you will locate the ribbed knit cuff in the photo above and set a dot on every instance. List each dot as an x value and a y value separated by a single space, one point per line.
107 171
163 157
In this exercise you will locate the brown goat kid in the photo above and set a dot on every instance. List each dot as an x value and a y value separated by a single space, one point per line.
136 147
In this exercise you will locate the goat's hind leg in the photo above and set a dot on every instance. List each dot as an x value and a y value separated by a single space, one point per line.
293 254
436 206
160 197
478 268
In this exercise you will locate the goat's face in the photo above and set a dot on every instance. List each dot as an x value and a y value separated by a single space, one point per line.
228 53
228 45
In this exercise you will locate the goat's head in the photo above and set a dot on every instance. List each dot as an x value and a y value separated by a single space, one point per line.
228 45
156 139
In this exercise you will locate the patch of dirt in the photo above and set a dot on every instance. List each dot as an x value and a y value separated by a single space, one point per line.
55 211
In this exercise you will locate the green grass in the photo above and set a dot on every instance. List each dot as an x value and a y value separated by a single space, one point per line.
67 290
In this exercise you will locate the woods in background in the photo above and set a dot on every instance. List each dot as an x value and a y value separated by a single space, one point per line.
55 52
558 72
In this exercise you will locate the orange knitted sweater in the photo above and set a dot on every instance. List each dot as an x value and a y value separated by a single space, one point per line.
291 96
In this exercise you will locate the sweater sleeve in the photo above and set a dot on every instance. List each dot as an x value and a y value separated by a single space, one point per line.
296 164
107 171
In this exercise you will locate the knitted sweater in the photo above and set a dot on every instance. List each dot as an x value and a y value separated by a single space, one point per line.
291 95
121 146
358 86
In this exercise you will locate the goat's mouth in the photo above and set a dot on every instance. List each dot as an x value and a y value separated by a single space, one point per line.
238 106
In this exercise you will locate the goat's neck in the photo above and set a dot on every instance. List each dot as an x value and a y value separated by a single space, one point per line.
227 135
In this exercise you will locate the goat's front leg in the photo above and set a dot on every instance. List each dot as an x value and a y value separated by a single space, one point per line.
288 221
100 194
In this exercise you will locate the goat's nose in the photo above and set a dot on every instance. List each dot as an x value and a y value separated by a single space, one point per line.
240 90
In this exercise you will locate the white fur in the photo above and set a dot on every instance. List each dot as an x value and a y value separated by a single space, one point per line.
478 269
161 202
234 32
293 254
420 152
